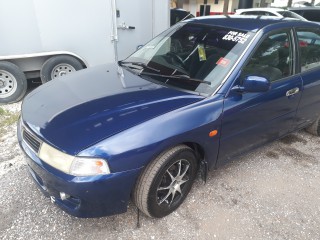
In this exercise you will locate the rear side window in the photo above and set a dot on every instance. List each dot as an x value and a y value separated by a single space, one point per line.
309 45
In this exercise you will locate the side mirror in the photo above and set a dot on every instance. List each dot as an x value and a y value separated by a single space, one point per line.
253 84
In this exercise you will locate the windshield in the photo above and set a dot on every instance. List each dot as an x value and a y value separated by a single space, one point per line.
190 56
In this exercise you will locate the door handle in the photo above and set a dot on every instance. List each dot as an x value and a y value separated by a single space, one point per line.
292 91
124 26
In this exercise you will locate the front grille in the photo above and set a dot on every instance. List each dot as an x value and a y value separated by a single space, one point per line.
33 142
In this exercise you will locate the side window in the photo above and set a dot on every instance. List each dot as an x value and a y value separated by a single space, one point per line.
272 59
250 13
268 14
260 13
309 45
312 15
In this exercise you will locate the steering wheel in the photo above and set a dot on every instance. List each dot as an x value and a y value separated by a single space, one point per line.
176 59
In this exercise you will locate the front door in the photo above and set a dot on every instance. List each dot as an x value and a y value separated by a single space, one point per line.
251 119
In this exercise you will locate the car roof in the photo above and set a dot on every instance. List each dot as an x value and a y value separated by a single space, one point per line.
304 8
247 23
260 9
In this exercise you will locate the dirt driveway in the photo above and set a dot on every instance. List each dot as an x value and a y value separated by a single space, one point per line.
271 193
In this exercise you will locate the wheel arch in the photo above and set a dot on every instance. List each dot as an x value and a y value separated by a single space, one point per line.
198 150
196 147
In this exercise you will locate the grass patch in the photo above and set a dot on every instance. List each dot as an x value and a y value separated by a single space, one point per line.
6 119
2 112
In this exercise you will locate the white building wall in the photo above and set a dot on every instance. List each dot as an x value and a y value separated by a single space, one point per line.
193 6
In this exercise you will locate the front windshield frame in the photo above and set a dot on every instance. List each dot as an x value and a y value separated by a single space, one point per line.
220 67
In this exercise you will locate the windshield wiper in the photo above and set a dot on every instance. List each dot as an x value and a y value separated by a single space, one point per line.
140 64
178 77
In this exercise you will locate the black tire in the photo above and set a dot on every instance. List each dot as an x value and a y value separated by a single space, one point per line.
156 192
13 83
58 66
314 128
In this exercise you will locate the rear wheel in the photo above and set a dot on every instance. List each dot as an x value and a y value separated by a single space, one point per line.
166 182
314 128
59 66
13 83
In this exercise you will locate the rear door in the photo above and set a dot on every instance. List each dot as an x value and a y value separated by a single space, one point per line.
251 119
309 49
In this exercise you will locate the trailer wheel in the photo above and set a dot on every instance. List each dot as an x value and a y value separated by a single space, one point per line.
59 66
13 83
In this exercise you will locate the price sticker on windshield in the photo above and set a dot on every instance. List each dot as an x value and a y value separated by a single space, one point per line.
238 37
224 62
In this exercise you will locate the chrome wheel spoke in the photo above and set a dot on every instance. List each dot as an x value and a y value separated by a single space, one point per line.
183 181
164 188
184 172
172 177
173 194
179 169
165 198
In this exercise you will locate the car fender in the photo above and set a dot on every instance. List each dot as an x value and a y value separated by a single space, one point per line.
137 146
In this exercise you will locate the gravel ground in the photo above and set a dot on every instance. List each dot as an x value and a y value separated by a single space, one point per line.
271 193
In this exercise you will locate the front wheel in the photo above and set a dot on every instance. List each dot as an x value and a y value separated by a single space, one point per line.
166 182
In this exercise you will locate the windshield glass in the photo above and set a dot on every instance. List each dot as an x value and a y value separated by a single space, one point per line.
190 56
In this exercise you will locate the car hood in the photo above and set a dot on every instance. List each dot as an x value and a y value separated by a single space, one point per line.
81 109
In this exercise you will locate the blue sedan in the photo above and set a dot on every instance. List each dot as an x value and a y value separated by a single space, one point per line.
192 99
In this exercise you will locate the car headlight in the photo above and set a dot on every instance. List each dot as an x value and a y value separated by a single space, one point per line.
77 166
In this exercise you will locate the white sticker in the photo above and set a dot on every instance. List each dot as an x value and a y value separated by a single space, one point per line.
236 37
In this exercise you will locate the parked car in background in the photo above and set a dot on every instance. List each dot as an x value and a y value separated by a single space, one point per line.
178 14
301 4
309 13
195 97
278 12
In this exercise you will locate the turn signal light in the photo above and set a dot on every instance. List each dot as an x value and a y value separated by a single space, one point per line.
213 133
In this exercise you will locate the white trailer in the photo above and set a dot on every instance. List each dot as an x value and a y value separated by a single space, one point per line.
51 38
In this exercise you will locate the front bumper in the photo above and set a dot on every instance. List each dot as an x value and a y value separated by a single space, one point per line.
95 196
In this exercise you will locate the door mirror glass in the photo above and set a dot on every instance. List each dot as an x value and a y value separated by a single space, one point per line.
255 84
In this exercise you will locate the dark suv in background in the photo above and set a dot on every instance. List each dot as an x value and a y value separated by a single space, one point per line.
309 13
178 14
